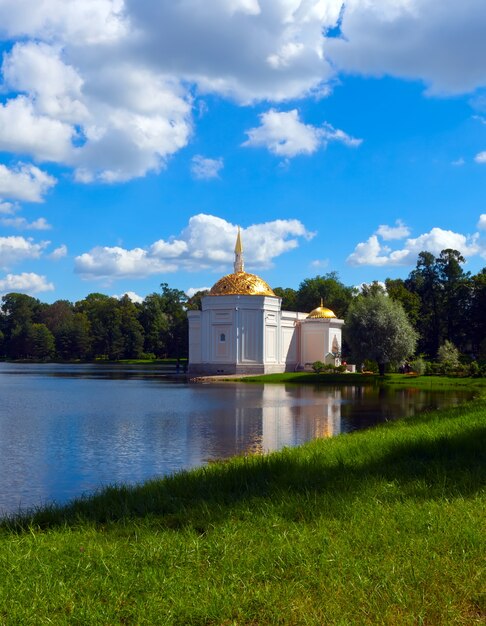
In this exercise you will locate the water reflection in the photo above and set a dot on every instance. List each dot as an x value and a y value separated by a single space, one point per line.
65 430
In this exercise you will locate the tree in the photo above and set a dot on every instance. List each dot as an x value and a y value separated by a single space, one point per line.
334 294
477 319
410 301
424 281
377 328
42 341
289 298
448 357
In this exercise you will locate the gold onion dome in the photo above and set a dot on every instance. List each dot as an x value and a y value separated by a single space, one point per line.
321 313
241 284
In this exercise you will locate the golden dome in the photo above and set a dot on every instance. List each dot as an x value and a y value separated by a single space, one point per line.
321 313
241 284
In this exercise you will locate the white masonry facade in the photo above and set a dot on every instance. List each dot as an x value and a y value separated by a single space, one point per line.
242 329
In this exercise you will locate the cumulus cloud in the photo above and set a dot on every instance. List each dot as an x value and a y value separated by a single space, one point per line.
20 223
283 134
482 221
480 157
193 290
207 242
111 82
373 252
134 297
400 231
27 282
7 208
208 43
59 253
81 21
25 182
14 249
204 168
429 40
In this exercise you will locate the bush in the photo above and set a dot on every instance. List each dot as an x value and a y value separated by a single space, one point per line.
448 356
474 369
418 365
340 369
318 366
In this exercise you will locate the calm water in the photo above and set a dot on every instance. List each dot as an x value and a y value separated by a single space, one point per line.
67 430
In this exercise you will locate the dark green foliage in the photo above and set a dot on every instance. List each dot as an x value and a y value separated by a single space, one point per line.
289 298
334 294
377 328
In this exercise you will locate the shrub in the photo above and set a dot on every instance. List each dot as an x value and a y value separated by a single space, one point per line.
318 366
474 369
418 365
448 356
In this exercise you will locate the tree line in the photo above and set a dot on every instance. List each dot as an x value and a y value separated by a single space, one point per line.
441 301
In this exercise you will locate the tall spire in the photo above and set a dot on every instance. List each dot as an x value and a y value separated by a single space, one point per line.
239 264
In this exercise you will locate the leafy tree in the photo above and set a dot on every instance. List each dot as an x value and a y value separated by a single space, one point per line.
335 295
131 329
424 281
19 311
104 315
73 338
456 295
155 323
410 301
477 321
194 303
448 357
42 342
289 298
377 328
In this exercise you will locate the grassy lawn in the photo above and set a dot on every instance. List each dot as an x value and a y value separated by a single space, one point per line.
408 380
384 526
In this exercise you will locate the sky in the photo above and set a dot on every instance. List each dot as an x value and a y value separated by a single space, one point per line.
136 135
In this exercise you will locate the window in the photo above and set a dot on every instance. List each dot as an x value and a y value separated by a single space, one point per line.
222 338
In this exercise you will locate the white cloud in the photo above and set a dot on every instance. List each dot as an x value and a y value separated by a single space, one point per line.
20 223
480 157
14 249
204 168
207 242
208 43
25 182
193 290
372 252
59 253
400 231
482 221
55 87
283 134
458 162
134 297
23 131
320 263
431 40
7 208
80 21
27 282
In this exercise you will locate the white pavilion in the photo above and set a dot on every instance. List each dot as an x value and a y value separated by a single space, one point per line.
242 329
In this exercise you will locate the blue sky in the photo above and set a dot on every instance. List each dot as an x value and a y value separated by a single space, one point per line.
136 135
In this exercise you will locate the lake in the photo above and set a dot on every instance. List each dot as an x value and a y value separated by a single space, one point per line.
66 430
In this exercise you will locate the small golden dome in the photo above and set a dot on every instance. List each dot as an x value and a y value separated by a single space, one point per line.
321 313
241 284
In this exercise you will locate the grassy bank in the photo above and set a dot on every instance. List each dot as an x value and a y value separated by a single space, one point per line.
408 380
384 526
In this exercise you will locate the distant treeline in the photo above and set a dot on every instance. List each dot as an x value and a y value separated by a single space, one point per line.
442 301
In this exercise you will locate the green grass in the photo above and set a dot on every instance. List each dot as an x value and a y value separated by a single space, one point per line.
384 526
408 380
